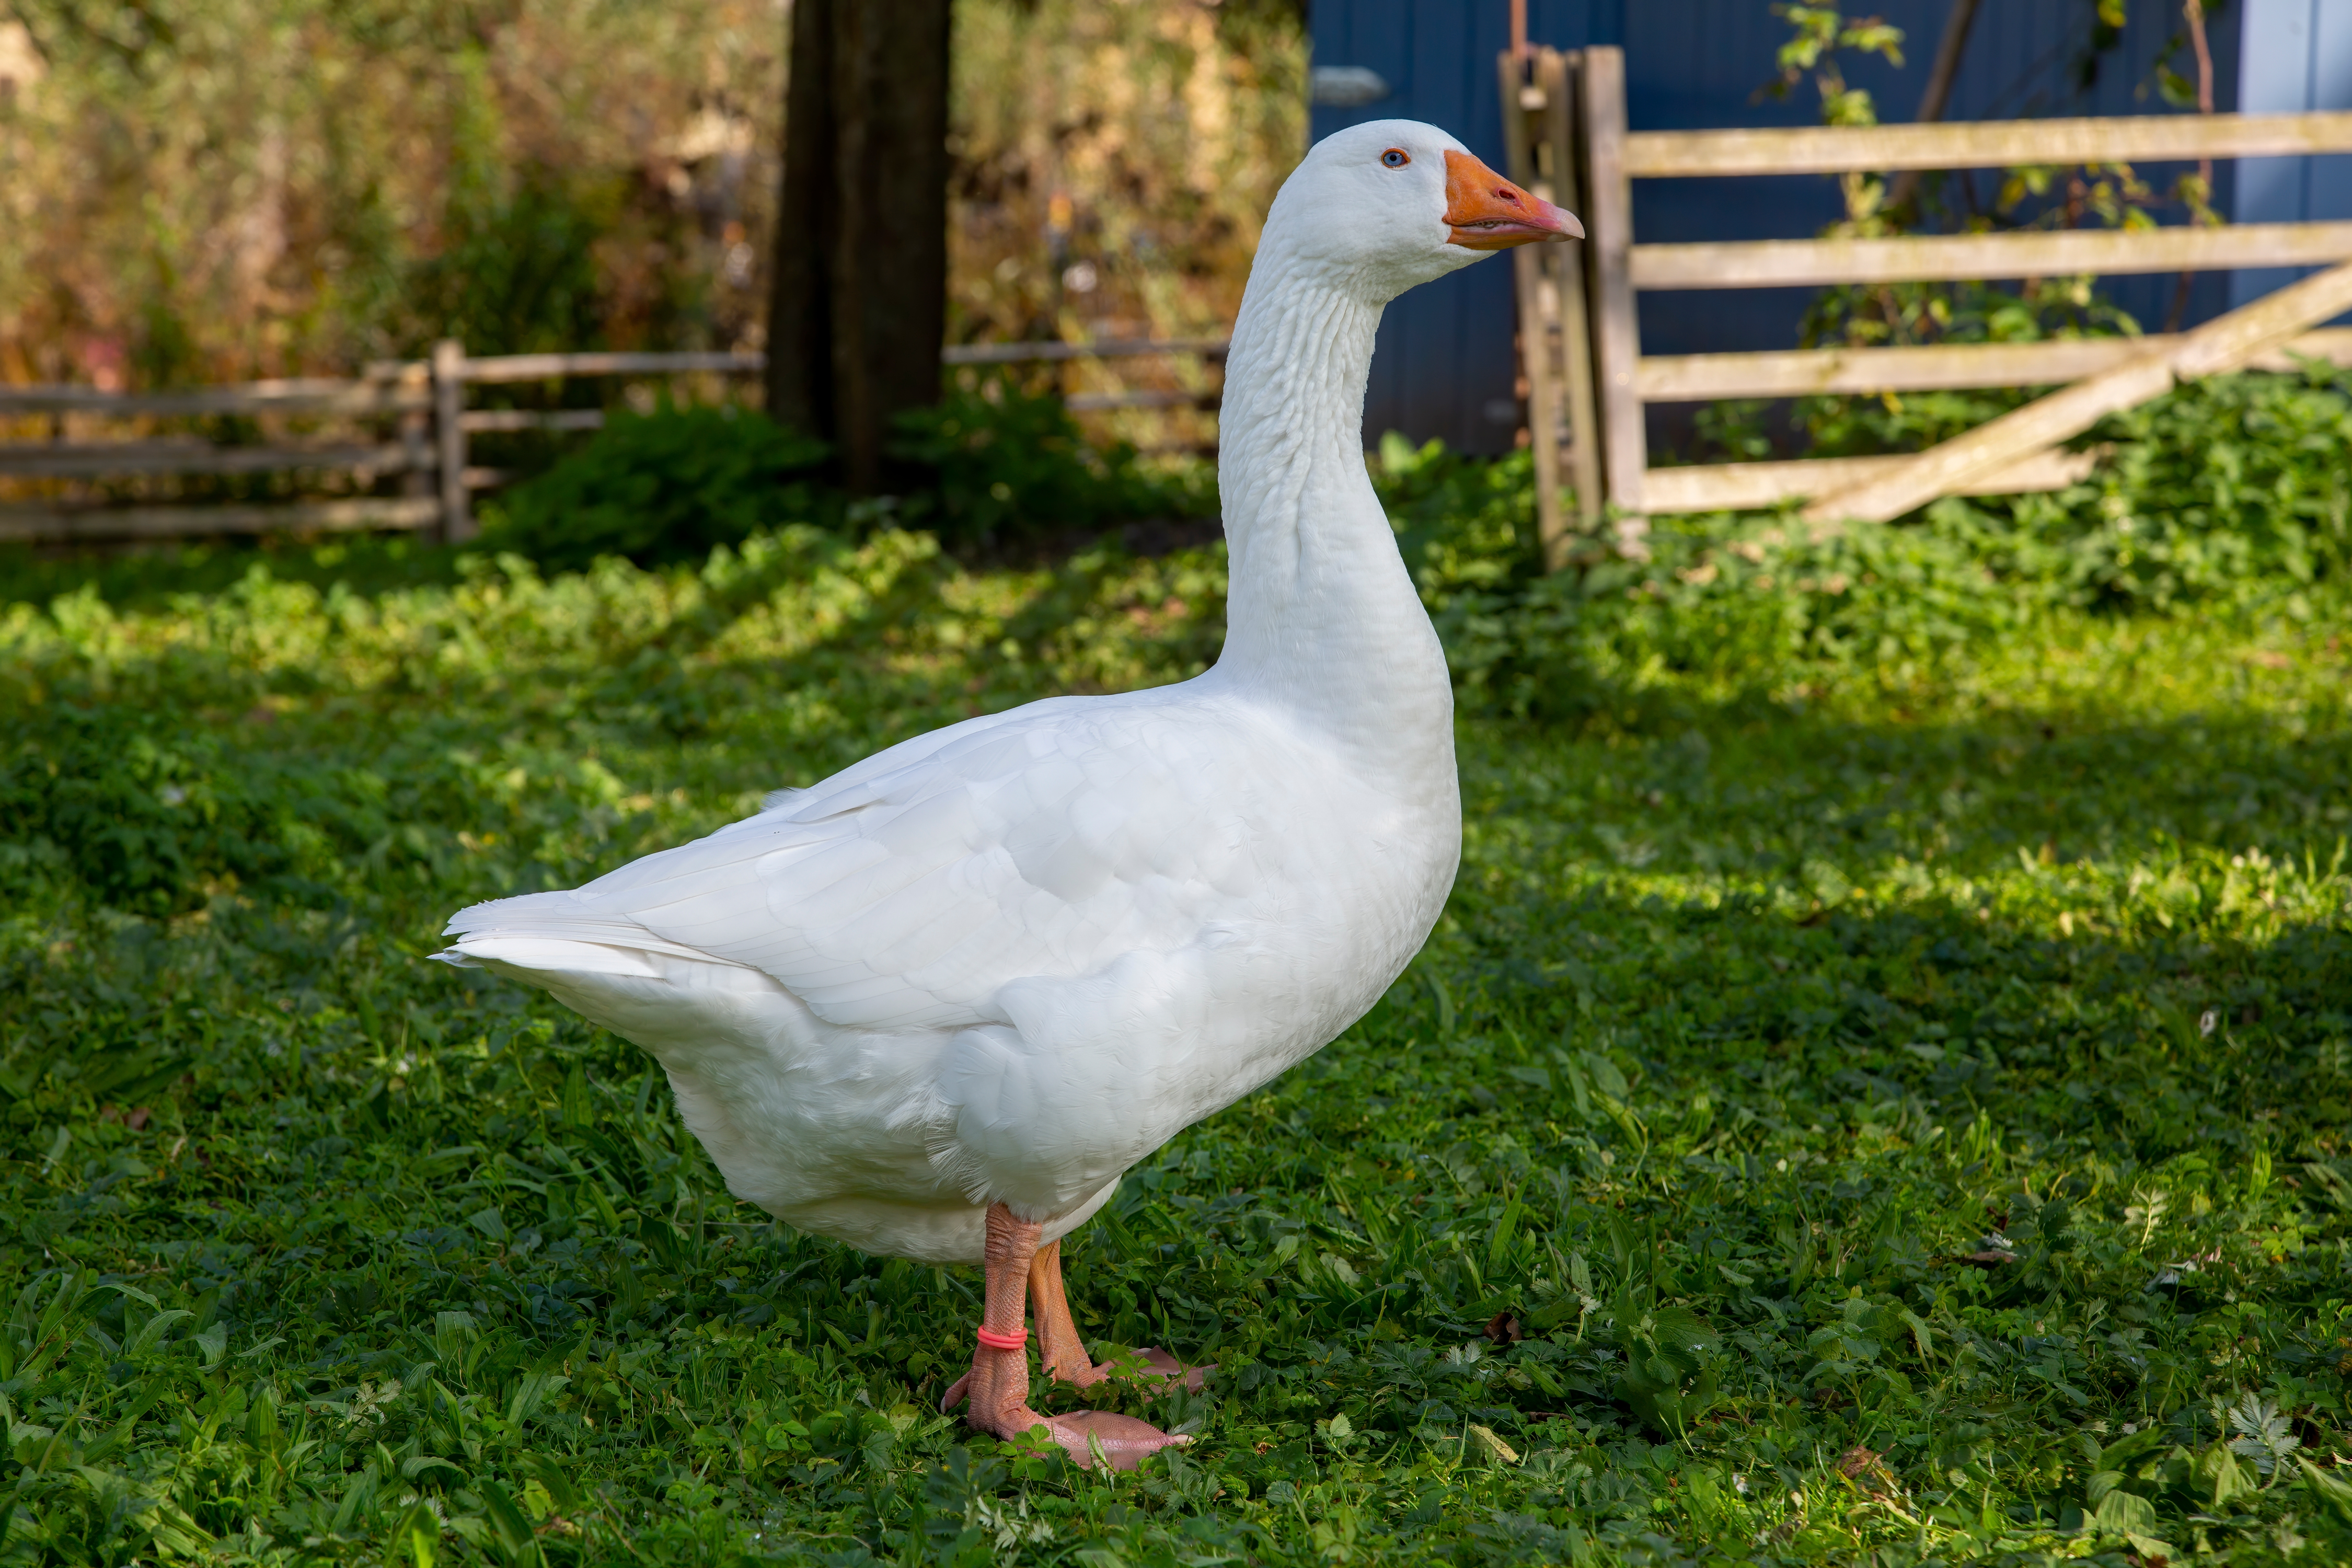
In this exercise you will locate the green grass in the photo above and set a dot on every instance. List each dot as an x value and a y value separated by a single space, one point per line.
1769 997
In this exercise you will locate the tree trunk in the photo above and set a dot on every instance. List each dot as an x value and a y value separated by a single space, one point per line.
860 298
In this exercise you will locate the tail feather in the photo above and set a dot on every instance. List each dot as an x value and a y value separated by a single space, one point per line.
556 932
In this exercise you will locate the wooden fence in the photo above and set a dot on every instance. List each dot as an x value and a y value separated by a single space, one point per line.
423 444
1564 121
1565 124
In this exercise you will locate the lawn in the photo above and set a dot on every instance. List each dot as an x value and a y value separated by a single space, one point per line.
1850 1105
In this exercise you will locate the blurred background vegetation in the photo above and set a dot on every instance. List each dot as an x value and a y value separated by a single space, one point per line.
205 190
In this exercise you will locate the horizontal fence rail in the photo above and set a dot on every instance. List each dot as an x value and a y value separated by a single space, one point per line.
1100 402
1109 348
1944 367
2023 253
555 367
73 461
427 400
363 396
1986 144
511 419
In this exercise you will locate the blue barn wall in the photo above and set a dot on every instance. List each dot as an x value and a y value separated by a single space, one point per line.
1444 365
2297 55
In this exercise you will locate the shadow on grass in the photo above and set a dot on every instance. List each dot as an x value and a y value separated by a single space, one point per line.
147 577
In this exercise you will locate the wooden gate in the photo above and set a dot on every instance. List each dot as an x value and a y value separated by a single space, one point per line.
1564 123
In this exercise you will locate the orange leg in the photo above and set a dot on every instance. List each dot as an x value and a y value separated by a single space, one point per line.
998 1384
1063 1352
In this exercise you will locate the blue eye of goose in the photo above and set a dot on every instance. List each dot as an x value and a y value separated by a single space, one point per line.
1396 158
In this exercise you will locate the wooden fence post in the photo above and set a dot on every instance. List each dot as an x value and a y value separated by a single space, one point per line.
1617 346
1558 73
1555 342
448 405
415 383
1538 299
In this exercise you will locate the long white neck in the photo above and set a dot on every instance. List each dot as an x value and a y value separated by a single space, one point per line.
1321 615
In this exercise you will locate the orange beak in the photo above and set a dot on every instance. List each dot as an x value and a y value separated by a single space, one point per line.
1487 212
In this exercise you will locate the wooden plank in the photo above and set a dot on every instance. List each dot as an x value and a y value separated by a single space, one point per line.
477 420
1802 373
59 460
416 382
449 434
2026 253
65 524
384 391
1098 401
1985 144
1751 487
2221 344
2331 345
1538 309
550 367
303 396
1557 74
1109 348
1609 251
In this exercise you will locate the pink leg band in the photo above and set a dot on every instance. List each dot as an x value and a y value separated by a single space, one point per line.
997 1341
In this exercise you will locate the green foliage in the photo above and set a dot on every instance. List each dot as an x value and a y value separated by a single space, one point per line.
1865 1097
516 270
665 485
1901 314
994 465
2230 492
1464 522
2237 484
145 815
519 275
523 176
1005 461
1818 34
2029 196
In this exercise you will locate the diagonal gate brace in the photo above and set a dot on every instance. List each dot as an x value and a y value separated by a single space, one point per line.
2224 343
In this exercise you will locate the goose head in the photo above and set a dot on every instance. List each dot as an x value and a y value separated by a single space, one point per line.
1394 203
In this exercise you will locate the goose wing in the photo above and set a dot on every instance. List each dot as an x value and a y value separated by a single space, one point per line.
908 891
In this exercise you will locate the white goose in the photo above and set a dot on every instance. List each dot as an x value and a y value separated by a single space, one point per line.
935 1005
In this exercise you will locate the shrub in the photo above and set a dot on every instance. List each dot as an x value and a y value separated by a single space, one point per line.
1008 461
990 463
665 486
2230 486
